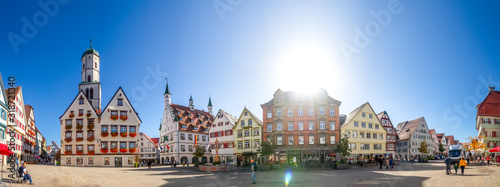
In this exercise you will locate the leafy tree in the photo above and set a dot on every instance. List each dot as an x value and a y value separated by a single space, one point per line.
474 144
343 147
441 148
199 151
266 149
423 148
58 155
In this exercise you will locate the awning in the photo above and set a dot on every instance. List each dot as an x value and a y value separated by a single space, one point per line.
4 150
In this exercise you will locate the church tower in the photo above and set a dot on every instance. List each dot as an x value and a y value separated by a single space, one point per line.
210 107
191 106
167 97
91 85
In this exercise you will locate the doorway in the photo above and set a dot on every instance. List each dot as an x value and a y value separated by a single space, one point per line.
118 161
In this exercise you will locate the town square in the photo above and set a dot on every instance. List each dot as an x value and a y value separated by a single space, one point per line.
249 93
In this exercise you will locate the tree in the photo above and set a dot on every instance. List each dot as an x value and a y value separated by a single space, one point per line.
58 155
266 149
441 148
343 147
423 148
199 151
474 144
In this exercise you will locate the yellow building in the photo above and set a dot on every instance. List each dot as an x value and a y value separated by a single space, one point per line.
247 137
365 132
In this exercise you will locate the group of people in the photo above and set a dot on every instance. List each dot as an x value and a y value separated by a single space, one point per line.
479 158
389 162
23 172
462 164
173 164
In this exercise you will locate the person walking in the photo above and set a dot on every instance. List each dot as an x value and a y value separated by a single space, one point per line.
391 162
187 163
462 164
447 161
380 161
387 164
149 164
488 159
253 167
468 158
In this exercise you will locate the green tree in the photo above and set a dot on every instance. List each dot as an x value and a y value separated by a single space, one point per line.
266 149
441 148
58 155
423 148
343 147
199 151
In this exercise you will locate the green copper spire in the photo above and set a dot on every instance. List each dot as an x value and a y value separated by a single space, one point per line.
191 97
209 101
167 91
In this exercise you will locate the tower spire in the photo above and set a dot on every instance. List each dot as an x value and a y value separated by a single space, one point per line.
91 43
209 100
167 91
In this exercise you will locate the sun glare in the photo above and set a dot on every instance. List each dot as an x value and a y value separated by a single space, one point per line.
305 69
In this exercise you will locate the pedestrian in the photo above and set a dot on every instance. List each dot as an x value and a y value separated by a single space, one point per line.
380 161
254 170
467 157
462 164
149 164
187 163
172 164
447 161
391 162
387 164
175 164
350 161
456 168
488 159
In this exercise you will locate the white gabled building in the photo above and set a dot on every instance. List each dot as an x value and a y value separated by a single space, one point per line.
19 124
411 134
222 131
4 113
180 126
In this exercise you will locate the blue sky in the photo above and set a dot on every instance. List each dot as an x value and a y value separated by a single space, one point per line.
427 60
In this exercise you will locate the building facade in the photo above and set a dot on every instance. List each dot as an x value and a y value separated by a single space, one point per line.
222 133
183 128
19 125
148 149
304 128
4 113
53 149
29 139
488 119
391 137
411 134
247 135
94 137
367 136
435 148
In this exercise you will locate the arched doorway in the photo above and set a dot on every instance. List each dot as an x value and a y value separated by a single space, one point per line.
167 159
204 159
184 159
194 160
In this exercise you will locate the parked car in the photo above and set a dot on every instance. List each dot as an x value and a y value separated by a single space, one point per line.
166 162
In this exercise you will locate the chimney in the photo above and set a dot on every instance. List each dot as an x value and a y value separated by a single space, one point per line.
492 87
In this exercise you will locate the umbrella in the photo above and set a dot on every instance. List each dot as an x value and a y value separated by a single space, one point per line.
496 149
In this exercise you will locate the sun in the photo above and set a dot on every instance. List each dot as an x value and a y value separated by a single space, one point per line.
305 69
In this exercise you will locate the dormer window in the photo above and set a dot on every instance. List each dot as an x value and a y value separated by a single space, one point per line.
120 102
80 101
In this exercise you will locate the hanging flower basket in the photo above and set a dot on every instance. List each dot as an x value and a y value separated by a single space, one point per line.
123 118
67 140
133 134
79 127
90 139
90 126
114 150
79 139
104 150
89 114
104 134
71 115
92 152
122 150
68 152
114 117
114 134
79 152
131 150
123 134
68 127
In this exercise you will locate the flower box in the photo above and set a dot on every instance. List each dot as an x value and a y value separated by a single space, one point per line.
90 139
79 127
68 152
90 126
89 114
67 140
104 134
123 134
114 134
131 150
114 117
104 150
123 118
69 127
80 114
79 139
92 152
133 134
79 152
123 150
114 150
71 115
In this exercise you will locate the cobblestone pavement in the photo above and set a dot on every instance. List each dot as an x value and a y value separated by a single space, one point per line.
405 174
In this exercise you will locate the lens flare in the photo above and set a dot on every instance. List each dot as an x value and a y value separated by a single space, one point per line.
288 176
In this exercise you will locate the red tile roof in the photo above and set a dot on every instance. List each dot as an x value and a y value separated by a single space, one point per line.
405 129
440 136
187 115
490 106
151 139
